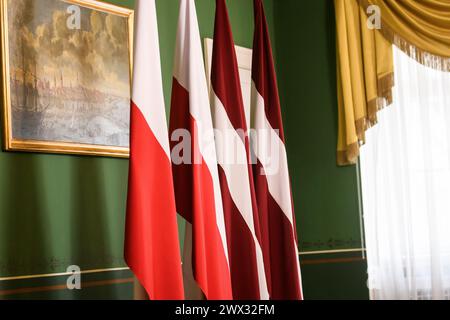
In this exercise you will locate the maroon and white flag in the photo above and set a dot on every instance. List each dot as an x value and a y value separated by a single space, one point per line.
271 174
235 172
152 249
196 177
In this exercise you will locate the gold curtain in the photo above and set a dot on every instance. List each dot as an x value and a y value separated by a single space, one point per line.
365 62
365 77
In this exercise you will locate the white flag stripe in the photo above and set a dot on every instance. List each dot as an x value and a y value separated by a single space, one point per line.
238 180
236 170
189 70
147 78
278 179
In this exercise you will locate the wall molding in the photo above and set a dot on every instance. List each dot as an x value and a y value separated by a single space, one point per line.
89 284
331 260
61 274
304 253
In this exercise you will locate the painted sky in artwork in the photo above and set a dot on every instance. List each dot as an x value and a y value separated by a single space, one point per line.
95 56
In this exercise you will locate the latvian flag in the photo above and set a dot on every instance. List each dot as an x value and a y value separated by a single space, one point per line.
235 172
273 191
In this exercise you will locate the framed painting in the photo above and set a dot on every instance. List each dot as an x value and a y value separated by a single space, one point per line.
66 67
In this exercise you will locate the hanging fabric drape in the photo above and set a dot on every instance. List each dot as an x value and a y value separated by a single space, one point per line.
421 29
365 77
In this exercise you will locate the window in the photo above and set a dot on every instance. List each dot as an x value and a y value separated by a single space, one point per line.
405 177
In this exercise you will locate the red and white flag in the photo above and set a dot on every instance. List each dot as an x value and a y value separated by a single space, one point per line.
235 172
272 183
152 249
197 186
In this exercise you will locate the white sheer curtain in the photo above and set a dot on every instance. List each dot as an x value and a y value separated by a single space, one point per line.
405 174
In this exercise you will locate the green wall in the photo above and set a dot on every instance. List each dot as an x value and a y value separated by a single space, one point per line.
325 195
61 210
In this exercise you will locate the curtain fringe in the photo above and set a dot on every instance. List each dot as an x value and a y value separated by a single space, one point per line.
385 85
384 99
348 156
421 56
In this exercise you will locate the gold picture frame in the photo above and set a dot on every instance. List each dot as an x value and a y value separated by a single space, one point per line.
49 90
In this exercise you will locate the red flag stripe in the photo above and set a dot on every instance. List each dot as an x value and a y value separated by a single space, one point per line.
281 242
243 255
247 273
151 247
263 70
272 182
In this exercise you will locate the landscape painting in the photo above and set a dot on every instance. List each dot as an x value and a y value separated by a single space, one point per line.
67 70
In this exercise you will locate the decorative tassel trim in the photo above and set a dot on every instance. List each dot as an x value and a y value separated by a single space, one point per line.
423 57
384 99
349 156
385 84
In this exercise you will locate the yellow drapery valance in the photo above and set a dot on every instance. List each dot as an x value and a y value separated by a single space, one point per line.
365 62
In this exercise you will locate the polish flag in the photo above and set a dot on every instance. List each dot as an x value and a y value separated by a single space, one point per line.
151 241
197 186
272 183
235 172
